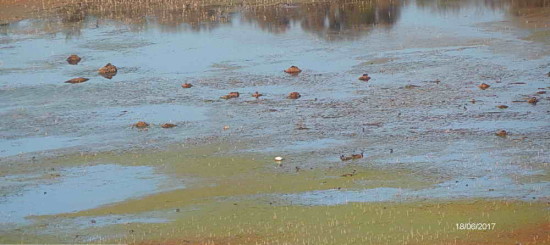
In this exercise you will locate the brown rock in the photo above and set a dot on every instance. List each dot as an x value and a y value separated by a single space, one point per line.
231 95
365 77
501 133
108 71
73 59
140 124
294 95
187 85
411 86
293 70
77 80
168 125
502 106
484 86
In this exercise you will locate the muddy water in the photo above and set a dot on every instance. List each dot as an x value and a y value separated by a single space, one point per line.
442 131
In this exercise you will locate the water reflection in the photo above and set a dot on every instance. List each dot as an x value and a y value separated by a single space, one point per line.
330 20
334 20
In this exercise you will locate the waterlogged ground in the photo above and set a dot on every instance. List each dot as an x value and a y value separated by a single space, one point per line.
74 170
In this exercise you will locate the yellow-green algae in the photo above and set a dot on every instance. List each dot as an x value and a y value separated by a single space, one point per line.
251 222
355 223
208 173
220 206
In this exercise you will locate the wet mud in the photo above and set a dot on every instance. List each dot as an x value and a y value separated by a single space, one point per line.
389 119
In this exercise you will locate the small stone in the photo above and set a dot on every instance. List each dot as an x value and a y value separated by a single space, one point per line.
278 159
93 221
108 71
501 133
141 124
484 86
77 80
231 95
502 106
294 95
168 125
365 77
293 70
73 59
187 85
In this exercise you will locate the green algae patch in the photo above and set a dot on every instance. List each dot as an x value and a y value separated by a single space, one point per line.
208 178
250 222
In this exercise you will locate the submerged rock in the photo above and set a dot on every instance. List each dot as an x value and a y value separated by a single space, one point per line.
294 95
365 77
168 125
293 70
484 86
140 124
411 86
501 133
77 80
73 59
187 85
108 71
231 95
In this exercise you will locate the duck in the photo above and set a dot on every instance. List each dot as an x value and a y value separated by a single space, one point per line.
501 133
187 85
365 77
357 156
294 95
73 59
484 86
168 125
293 70
345 158
533 100
352 157
140 125
257 95
77 80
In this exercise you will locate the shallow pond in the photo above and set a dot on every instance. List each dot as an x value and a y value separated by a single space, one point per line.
427 131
